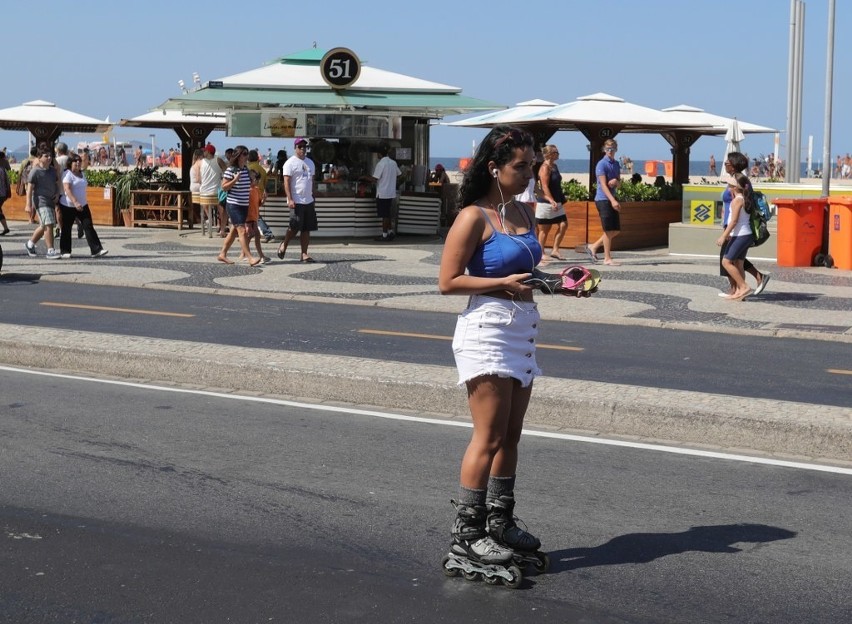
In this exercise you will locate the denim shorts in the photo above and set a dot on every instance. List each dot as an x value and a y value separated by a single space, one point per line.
237 214
497 337
738 246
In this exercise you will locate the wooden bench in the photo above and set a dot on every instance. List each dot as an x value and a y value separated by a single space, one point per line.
161 207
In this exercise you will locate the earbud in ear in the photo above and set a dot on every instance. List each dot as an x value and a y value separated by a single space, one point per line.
494 172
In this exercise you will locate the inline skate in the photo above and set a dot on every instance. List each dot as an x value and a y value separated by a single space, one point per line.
505 531
474 554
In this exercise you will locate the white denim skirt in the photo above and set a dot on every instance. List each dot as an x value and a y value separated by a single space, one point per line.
497 337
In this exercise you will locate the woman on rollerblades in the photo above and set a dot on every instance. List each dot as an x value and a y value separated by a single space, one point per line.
489 251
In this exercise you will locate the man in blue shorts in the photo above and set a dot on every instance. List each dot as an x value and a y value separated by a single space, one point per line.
608 174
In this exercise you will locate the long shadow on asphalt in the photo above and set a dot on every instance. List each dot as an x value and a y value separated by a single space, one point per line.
646 547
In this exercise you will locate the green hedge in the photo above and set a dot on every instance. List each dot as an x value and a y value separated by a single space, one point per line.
628 191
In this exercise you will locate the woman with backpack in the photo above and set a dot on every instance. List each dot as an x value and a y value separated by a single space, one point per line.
737 163
737 236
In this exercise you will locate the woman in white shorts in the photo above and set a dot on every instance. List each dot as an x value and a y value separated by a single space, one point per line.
490 250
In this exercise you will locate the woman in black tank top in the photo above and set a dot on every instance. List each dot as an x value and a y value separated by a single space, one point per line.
550 210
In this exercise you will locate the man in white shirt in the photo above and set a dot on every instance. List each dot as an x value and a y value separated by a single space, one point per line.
299 186
385 175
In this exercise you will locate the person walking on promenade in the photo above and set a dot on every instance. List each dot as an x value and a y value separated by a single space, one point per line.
236 181
713 171
490 250
223 213
736 163
62 157
385 175
23 177
252 229
551 210
737 236
210 180
608 174
5 190
299 171
42 195
73 205
260 179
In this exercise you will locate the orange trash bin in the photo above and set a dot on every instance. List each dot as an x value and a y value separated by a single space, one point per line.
799 230
840 230
669 168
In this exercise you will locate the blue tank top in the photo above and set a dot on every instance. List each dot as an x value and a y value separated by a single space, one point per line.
504 254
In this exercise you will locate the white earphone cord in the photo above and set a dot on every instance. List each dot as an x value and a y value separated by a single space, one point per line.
501 208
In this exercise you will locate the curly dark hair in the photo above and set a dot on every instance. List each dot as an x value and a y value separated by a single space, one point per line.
498 146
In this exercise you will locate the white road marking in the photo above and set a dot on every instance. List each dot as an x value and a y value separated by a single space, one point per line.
450 423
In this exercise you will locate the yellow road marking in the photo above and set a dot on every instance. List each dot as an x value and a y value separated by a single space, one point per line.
108 309
838 371
380 332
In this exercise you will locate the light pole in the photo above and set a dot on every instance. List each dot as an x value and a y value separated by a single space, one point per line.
829 82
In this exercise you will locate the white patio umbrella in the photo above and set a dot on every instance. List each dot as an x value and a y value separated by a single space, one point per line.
519 111
718 125
733 137
602 109
40 112
599 116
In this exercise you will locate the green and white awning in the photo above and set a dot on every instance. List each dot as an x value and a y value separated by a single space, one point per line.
295 82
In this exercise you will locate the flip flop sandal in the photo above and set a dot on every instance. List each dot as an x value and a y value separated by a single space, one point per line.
569 282
281 251
307 260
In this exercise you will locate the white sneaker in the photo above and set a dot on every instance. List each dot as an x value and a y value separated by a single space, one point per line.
52 254
65 256
100 254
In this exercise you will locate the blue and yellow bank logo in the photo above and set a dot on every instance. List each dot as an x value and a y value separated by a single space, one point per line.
701 212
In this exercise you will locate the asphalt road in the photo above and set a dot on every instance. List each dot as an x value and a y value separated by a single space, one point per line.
127 504
738 365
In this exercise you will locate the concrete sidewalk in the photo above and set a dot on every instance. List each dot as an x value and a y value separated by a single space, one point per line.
651 288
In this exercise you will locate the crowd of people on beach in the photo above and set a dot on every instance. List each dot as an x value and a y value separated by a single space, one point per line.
842 167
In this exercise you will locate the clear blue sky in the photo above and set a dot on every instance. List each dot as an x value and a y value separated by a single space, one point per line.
728 57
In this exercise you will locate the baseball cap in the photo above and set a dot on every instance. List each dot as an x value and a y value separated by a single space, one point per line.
210 148
300 141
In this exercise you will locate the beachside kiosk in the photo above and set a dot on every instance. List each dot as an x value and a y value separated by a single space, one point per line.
346 110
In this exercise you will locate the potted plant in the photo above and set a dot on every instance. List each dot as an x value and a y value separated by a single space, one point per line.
146 178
